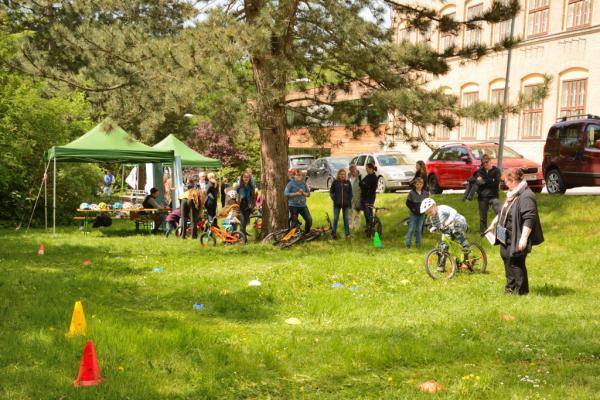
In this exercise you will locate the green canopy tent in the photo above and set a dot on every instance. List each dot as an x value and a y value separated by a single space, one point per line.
189 157
107 142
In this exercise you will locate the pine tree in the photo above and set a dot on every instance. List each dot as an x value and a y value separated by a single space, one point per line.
147 62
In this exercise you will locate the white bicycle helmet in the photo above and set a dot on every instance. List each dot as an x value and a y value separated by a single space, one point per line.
232 194
426 204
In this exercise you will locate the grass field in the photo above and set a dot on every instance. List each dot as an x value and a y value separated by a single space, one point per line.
395 329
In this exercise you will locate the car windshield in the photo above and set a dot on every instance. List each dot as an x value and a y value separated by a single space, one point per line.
339 163
301 162
386 160
492 151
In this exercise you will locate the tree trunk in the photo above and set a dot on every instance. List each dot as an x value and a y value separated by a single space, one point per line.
272 124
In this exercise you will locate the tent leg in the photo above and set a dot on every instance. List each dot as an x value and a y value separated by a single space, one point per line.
54 200
46 200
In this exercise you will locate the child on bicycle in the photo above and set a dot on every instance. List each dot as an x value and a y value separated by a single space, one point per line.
296 192
447 220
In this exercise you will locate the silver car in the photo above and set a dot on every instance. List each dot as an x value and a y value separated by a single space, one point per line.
394 170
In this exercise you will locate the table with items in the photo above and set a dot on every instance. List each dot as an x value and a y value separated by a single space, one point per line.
141 216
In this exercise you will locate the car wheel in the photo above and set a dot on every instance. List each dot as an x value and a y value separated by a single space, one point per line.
555 183
329 181
434 186
381 187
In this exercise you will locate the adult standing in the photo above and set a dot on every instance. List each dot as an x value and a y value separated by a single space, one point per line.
368 191
202 181
223 190
296 191
420 172
487 178
212 194
341 195
354 178
517 229
108 181
246 199
190 205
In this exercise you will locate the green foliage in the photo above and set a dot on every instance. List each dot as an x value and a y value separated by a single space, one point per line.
395 329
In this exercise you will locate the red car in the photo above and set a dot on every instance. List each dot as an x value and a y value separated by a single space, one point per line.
450 166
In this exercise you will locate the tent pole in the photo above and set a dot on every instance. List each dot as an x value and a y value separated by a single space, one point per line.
46 199
122 179
54 200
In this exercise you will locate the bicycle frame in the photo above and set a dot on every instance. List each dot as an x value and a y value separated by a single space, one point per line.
222 234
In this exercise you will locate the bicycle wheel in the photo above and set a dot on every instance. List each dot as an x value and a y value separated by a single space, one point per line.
274 237
477 259
440 265
208 238
241 238
314 234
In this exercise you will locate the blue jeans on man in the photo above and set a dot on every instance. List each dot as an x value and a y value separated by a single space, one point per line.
366 205
302 211
415 224
336 218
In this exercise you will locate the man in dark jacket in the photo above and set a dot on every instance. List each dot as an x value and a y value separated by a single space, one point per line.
368 190
487 178
341 195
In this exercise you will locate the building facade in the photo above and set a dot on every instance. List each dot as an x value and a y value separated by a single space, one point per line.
559 38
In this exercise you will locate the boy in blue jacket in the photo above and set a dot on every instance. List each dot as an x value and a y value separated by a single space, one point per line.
296 192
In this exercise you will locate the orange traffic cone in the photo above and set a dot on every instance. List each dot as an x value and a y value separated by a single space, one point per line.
89 371
41 251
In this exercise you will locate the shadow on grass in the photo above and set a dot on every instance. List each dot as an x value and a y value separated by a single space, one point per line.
552 291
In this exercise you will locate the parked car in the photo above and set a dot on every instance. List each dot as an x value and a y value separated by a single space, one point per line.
301 162
394 170
323 171
450 166
572 154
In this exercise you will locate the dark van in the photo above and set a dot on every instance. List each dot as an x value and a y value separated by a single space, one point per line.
572 153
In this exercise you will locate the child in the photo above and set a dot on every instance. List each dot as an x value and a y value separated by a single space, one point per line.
472 187
416 217
172 220
341 195
447 220
296 193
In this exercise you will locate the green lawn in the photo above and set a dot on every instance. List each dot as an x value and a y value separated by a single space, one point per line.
396 329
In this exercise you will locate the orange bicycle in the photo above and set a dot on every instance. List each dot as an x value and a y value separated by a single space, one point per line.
228 237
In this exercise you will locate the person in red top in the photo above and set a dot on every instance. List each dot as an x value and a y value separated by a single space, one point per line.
341 195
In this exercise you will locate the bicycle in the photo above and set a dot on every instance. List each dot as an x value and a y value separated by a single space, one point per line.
284 235
444 260
227 236
375 225
310 236
258 225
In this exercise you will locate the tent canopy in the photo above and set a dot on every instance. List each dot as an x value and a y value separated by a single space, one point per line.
189 157
108 142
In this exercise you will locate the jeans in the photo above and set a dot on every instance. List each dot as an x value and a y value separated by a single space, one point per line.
484 204
364 203
302 211
458 234
244 219
336 218
171 226
415 224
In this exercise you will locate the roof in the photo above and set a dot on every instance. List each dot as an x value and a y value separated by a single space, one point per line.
189 157
108 142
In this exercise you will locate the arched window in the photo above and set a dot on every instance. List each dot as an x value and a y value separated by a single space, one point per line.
469 94
442 132
446 39
473 37
573 92
496 97
532 116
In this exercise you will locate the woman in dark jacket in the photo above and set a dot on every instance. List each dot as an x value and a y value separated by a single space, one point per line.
341 194
420 172
246 200
517 229
212 195
368 190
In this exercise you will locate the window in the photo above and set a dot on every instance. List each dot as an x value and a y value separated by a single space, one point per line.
592 134
497 97
473 36
370 160
447 39
501 31
404 35
578 13
569 136
438 155
423 36
537 20
469 126
572 99
532 116
441 132
361 161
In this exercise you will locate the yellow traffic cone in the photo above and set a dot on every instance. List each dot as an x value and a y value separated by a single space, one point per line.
78 324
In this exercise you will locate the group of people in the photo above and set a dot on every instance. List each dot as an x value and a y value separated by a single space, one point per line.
516 226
